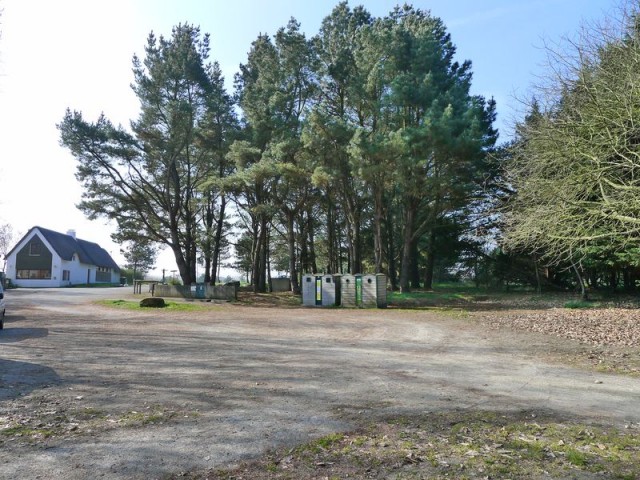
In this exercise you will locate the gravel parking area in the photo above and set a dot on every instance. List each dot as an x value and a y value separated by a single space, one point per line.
89 391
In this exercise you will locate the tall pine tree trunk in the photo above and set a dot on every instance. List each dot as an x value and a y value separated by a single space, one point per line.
291 241
407 241
256 247
332 242
305 244
357 249
415 263
207 269
312 250
431 261
217 241
183 267
353 242
353 217
391 252
207 247
377 229
260 261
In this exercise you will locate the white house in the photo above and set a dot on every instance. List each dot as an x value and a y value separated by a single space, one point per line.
44 258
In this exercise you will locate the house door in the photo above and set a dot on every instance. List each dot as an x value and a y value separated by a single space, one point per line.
88 276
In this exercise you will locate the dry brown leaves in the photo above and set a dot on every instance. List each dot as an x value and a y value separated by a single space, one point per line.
599 327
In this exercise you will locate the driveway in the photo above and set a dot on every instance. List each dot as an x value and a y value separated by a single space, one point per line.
119 394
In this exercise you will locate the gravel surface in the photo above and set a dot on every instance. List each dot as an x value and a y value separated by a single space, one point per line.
89 391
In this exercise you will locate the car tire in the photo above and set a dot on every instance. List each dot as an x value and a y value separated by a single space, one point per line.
2 320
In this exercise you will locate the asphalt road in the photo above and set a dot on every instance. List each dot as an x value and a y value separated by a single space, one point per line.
233 381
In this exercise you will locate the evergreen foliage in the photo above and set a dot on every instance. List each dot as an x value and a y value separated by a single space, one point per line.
158 181
363 148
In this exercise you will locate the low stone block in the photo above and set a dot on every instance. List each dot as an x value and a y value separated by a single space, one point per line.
153 302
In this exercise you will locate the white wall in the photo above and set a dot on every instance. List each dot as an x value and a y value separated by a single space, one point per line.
77 270
56 273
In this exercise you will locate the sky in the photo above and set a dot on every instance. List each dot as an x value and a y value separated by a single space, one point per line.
77 54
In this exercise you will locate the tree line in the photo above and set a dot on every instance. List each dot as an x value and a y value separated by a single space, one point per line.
358 149
362 148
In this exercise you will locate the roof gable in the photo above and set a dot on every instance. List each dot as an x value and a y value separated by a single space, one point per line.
66 246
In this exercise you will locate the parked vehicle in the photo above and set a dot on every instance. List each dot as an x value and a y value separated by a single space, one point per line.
2 308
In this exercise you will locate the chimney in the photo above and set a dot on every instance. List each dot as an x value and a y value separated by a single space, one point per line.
71 233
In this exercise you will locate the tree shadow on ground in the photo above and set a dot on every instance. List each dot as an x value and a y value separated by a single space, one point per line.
19 378
11 334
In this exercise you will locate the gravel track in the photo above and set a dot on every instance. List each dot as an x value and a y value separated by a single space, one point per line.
92 392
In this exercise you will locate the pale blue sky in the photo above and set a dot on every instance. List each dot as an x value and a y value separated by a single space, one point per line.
77 54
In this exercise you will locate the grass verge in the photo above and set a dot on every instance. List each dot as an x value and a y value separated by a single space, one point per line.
50 421
582 304
172 306
460 445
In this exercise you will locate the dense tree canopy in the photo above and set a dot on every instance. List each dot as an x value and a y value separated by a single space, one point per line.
411 119
359 149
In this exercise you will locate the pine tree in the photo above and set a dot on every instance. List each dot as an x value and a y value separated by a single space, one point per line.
151 181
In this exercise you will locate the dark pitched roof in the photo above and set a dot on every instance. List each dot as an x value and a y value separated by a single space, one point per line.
66 245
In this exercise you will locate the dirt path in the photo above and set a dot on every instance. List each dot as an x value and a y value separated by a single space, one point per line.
87 391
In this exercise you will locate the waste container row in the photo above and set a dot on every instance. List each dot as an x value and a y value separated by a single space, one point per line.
344 290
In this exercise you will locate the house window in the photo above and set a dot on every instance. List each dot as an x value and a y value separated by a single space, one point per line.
35 249
66 275
103 274
34 274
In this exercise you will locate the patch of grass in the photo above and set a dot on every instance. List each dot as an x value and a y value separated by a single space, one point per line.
51 420
532 450
186 307
321 444
15 430
28 431
467 295
582 304
172 306
575 457
436 296
118 303
89 413
443 295
149 416
329 440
